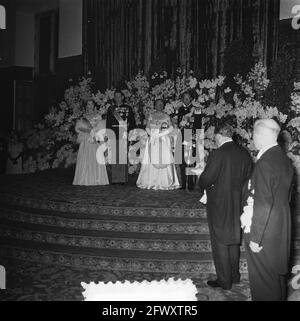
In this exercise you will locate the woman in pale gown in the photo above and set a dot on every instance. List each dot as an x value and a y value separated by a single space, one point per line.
15 152
158 170
89 172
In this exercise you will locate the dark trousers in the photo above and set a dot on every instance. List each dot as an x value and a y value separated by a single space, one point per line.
226 260
265 283
119 172
187 181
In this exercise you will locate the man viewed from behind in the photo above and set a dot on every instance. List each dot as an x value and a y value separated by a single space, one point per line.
227 170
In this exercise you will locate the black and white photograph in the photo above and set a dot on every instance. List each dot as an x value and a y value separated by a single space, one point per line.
150 152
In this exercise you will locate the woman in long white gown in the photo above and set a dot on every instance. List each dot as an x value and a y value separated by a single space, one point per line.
89 171
158 170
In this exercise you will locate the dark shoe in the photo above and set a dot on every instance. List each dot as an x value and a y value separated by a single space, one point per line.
215 284
236 282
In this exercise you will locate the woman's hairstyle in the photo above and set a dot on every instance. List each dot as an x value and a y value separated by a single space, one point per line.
187 93
157 100
118 91
85 120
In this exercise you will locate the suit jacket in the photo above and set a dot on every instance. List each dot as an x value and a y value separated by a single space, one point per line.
197 124
271 221
227 171
126 114
183 110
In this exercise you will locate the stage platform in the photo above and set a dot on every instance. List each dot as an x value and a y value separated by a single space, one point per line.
116 229
45 218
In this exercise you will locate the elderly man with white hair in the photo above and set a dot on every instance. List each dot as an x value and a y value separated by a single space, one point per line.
266 220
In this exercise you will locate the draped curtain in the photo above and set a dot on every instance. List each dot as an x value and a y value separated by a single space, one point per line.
121 37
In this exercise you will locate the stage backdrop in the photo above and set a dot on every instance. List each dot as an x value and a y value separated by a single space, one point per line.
121 37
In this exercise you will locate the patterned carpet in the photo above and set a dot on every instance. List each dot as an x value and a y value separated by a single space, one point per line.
40 282
54 235
57 186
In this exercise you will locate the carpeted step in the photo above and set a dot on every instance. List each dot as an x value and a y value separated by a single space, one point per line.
43 189
125 242
109 259
92 261
169 225
138 238
94 211
172 233
43 218
102 222
168 245
139 254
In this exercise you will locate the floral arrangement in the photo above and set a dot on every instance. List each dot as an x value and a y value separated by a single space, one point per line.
293 132
52 144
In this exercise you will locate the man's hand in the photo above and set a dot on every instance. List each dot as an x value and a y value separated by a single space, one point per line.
255 248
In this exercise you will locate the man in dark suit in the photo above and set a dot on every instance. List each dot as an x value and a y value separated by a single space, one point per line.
267 226
186 180
228 169
120 121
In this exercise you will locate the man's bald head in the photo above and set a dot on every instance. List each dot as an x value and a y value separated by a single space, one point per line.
266 132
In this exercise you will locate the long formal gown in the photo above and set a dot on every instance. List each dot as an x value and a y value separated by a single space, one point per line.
158 170
88 171
14 161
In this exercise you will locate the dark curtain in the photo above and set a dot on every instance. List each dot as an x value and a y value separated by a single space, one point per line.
121 37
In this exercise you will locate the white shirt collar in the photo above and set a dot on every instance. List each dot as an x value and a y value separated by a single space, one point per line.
228 140
198 112
262 151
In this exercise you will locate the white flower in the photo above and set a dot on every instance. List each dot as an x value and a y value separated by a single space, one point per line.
220 81
258 76
169 109
295 100
56 136
196 103
193 82
246 218
297 85
201 100
295 123
177 104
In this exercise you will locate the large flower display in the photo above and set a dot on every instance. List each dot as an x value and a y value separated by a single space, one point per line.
52 143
